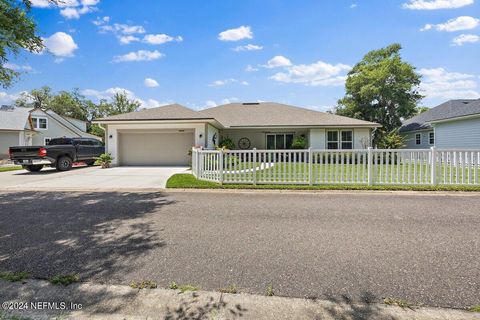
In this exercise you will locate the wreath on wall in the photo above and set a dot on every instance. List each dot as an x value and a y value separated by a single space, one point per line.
244 143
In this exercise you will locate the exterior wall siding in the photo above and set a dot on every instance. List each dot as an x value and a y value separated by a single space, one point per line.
7 140
54 129
211 133
257 137
458 134
410 140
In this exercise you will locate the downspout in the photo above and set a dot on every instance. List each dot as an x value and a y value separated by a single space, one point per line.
371 136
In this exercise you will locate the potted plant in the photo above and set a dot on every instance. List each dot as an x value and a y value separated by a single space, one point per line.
104 160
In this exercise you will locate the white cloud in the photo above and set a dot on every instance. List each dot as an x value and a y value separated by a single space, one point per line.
70 9
140 55
128 39
9 98
219 83
248 47
243 32
436 4
17 67
457 24
249 68
150 83
465 38
316 74
60 44
101 21
110 92
353 6
438 83
160 38
278 61
213 103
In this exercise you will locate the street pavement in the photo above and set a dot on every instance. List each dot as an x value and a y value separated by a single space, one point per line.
348 246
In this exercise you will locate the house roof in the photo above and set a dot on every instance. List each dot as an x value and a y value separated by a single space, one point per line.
449 110
70 126
168 112
271 114
233 115
14 119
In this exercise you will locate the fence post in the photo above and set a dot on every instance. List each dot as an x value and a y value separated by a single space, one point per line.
310 166
369 166
220 166
254 166
433 167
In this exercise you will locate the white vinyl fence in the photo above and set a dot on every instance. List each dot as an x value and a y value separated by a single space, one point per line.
312 167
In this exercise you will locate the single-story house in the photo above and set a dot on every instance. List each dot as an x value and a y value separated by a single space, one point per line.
27 127
164 135
453 124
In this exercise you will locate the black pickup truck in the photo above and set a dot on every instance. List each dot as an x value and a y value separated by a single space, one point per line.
60 153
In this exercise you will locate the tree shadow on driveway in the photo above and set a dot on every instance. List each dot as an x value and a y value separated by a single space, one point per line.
92 234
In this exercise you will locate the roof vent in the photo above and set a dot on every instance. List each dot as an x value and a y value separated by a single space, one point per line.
251 103
466 102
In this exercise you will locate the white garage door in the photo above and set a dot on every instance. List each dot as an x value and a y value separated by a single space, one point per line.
155 149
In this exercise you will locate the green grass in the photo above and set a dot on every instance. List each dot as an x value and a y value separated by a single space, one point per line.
269 291
10 168
14 276
64 280
475 308
398 302
188 181
230 289
146 284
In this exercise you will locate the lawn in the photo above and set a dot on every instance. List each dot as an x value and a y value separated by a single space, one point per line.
345 173
10 168
188 181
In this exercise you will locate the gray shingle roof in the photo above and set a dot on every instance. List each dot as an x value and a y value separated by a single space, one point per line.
265 114
271 114
169 112
448 110
14 119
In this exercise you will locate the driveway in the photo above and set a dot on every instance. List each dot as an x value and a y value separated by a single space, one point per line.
91 178
347 247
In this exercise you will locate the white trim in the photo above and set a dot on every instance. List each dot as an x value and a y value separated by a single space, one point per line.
470 116
339 140
418 135
37 127
284 134
430 139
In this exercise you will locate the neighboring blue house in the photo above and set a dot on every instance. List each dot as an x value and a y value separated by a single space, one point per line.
454 124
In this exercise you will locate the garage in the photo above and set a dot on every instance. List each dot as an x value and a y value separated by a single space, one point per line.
142 148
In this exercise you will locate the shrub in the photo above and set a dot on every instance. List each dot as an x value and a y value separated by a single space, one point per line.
392 140
299 142
105 159
14 276
227 143
64 280
146 284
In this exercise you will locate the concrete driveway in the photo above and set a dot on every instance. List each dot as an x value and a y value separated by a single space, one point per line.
91 178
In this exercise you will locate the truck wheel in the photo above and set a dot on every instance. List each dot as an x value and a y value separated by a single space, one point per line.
33 168
64 164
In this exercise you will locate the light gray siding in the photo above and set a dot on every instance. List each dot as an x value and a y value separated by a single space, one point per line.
257 137
458 134
7 140
54 129
410 140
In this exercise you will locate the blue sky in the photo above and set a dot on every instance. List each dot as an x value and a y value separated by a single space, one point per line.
203 53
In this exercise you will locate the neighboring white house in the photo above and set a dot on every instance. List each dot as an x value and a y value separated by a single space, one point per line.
453 124
26 127
164 135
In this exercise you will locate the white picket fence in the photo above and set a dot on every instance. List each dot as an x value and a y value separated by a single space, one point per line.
312 167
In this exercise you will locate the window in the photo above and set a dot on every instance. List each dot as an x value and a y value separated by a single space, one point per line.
431 138
347 140
332 140
39 123
418 138
46 141
279 141
340 139
97 143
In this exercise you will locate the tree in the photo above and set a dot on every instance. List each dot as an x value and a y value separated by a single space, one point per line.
122 104
381 88
70 104
17 32
422 110
37 98
392 140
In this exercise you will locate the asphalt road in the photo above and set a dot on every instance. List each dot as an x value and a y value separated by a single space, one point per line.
347 247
